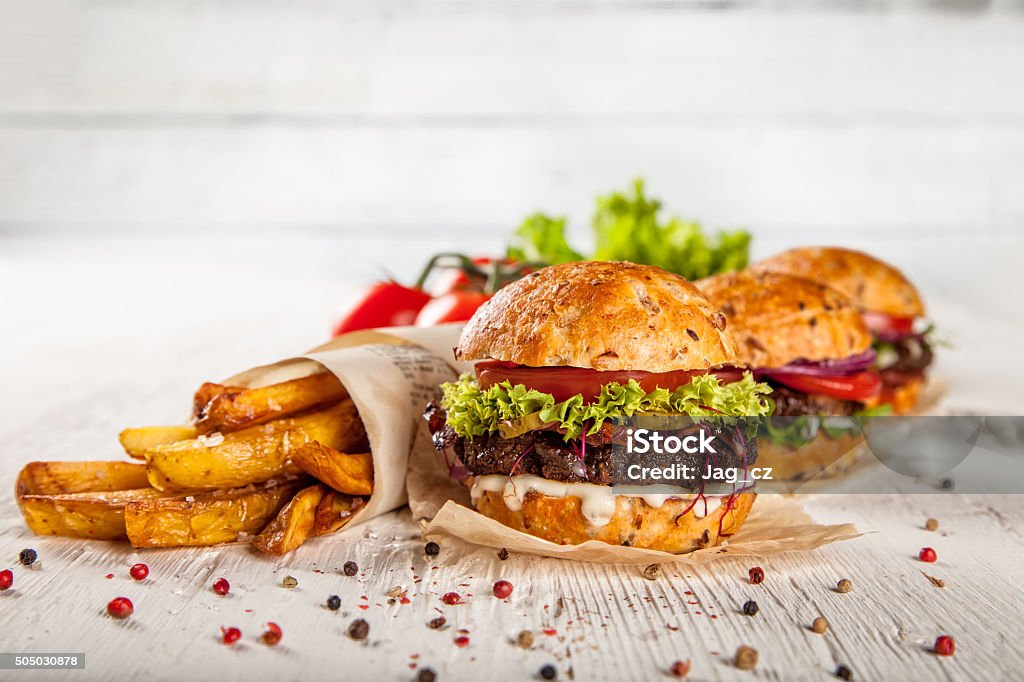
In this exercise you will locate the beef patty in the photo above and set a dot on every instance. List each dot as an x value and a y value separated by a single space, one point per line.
545 453
792 403
913 356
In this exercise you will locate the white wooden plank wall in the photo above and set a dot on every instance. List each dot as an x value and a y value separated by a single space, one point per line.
854 118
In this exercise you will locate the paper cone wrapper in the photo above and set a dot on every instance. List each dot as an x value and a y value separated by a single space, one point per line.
390 376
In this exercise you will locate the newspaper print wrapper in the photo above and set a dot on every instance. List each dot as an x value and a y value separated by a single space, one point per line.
390 375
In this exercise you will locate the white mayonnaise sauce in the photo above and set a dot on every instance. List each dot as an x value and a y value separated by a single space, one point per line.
598 502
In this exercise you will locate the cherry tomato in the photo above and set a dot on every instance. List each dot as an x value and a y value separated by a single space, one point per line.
457 306
384 304
565 382
456 279
860 387
884 322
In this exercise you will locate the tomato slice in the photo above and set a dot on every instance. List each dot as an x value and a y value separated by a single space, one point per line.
860 387
886 323
565 382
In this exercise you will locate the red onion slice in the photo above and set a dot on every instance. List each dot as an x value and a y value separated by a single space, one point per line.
854 364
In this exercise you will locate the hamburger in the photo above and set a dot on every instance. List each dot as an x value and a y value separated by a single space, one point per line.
890 304
561 355
811 345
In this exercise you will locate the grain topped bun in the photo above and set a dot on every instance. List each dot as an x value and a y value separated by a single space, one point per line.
778 318
822 458
599 315
871 284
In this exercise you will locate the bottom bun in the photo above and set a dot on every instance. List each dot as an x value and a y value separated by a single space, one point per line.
823 457
635 523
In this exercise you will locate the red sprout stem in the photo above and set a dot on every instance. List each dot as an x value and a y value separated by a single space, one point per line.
519 459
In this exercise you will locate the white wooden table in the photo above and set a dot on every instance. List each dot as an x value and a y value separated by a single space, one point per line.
96 337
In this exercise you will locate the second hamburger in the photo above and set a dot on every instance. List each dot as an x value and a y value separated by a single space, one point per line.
811 345
891 306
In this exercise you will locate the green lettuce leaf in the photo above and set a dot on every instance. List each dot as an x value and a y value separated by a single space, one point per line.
881 410
793 431
628 227
511 410
541 239
797 432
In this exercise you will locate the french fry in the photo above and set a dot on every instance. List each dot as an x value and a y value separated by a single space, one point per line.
58 478
206 518
347 473
293 525
252 455
89 515
230 409
335 511
206 393
136 441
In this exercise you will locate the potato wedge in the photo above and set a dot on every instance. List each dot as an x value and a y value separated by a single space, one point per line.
293 525
59 478
335 511
206 393
91 515
252 455
232 409
207 518
136 441
347 473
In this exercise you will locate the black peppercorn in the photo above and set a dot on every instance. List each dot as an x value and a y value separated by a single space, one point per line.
750 608
503 554
350 568
549 672
334 602
359 629
426 675
27 557
432 549
844 673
